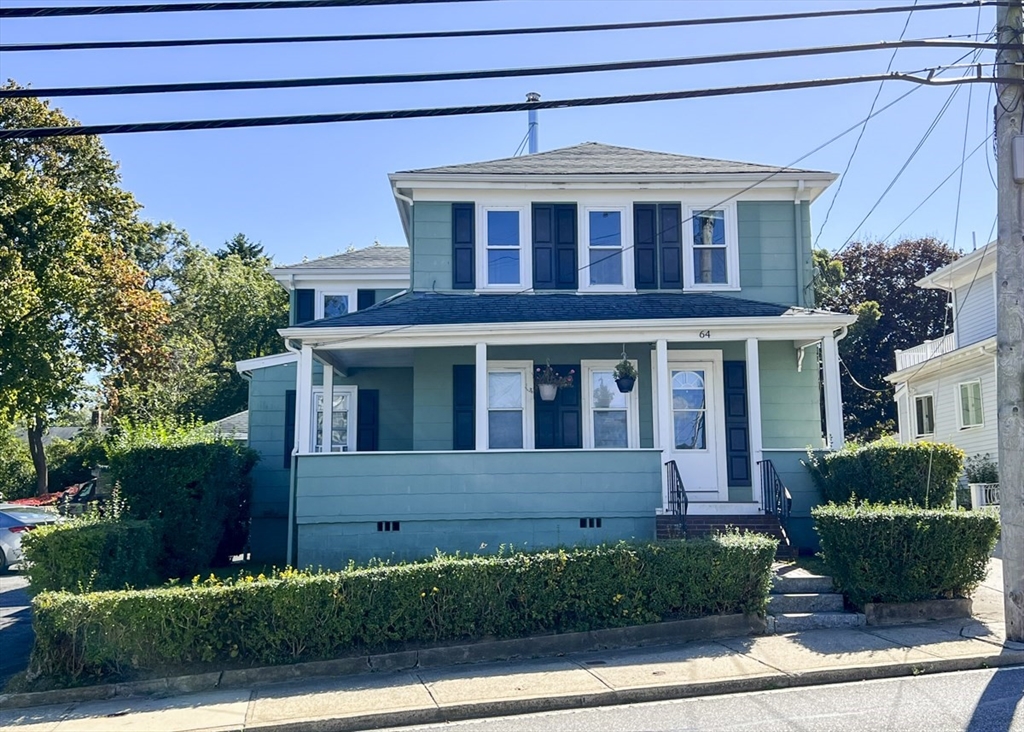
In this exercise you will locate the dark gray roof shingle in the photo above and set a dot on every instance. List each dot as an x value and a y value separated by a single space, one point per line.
594 158
421 308
367 258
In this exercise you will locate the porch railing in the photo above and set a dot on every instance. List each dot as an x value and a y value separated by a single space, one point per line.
923 352
775 497
984 494
678 503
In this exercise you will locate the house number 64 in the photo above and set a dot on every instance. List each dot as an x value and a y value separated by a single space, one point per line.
705 334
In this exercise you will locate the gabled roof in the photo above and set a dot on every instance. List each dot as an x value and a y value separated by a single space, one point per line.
420 308
598 159
372 257
979 263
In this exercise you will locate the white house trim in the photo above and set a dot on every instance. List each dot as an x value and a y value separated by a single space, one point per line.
625 248
264 362
480 397
833 393
526 369
732 247
321 294
525 248
753 367
587 369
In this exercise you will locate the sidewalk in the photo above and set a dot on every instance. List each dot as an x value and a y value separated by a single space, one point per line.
578 680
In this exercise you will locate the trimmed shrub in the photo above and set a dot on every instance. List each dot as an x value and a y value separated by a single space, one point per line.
193 484
300 616
88 554
903 554
922 474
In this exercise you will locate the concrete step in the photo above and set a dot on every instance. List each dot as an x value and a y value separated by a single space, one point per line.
799 580
793 622
805 602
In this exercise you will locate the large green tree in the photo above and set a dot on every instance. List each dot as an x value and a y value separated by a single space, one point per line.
72 298
875 281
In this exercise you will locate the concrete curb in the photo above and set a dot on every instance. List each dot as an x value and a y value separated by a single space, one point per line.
512 707
675 631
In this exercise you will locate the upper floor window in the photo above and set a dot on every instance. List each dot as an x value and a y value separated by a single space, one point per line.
606 230
924 415
970 405
712 261
333 304
503 260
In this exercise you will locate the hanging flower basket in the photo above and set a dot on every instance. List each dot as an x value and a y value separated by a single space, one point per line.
625 375
548 382
548 392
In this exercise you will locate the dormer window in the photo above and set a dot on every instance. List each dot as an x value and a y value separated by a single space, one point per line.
503 262
712 259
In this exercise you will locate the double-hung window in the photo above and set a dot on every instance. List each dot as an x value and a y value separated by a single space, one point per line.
508 418
970 405
606 229
503 262
712 262
610 418
340 434
924 415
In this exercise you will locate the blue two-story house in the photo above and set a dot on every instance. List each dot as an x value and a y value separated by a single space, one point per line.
434 433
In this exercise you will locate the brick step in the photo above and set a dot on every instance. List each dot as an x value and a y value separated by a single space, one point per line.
793 622
805 602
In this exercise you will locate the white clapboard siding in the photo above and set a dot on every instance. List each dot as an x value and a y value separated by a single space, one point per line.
975 311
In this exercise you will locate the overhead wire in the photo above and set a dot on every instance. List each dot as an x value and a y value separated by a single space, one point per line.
420 77
860 135
65 11
234 123
963 151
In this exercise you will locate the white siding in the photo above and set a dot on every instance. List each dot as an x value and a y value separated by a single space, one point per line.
976 311
945 390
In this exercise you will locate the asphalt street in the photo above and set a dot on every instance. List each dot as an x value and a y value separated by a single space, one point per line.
15 626
968 701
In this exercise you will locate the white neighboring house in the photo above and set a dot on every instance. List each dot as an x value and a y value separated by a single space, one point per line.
946 388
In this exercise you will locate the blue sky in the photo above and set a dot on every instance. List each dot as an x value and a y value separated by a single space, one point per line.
315 190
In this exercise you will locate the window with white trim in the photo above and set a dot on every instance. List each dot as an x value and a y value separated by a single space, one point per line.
711 261
330 304
508 406
610 418
605 229
503 260
924 415
970 405
341 431
689 409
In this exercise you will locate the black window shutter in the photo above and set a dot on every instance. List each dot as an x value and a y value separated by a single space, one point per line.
566 270
463 242
305 306
368 421
671 260
645 246
365 299
289 426
544 262
737 424
464 402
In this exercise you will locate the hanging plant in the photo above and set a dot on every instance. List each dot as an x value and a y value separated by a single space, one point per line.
548 381
625 375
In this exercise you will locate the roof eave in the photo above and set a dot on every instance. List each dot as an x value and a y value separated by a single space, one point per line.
401 178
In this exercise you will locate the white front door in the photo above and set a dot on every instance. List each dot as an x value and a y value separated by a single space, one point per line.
693 388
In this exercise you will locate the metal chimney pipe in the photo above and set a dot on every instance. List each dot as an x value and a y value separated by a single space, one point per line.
532 116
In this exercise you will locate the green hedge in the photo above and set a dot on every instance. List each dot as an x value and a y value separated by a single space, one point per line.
91 555
922 474
194 485
299 616
902 554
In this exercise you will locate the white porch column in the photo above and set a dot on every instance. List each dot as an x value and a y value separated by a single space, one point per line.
304 400
663 395
754 415
481 397
833 393
328 436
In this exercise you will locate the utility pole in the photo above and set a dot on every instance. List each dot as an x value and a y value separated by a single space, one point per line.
1010 311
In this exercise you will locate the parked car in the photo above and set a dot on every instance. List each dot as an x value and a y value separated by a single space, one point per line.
14 522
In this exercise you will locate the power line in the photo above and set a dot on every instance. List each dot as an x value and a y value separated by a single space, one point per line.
860 135
204 86
238 122
65 11
476 33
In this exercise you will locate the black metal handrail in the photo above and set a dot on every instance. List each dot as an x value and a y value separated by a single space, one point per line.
775 497
678 502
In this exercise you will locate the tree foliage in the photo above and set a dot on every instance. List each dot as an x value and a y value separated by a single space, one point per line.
876 282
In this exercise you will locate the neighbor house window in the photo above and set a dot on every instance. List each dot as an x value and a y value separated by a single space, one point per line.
507 405
605 234
340 434
689 409
503 260
924 421
713 258
610 417
970 405
333 304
